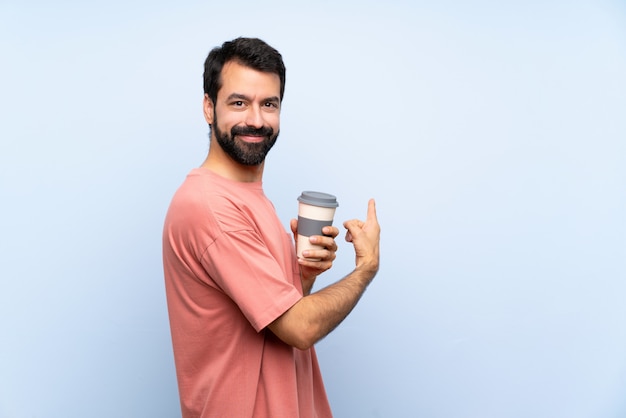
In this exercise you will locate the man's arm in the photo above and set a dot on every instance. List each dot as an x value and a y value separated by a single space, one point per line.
316 315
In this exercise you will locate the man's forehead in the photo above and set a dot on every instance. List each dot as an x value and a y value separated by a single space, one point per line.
236 76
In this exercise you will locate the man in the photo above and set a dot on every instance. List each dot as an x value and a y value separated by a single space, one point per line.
242 315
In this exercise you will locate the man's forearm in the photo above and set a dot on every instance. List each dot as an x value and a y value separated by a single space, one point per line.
316 315
329 306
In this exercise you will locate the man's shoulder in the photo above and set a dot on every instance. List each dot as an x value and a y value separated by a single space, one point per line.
205 200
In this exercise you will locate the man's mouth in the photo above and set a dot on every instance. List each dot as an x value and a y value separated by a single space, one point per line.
252 135
253 139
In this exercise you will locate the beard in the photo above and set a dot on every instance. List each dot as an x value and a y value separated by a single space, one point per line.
245 153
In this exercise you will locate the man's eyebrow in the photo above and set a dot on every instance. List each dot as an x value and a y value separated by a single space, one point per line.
274 99
239 96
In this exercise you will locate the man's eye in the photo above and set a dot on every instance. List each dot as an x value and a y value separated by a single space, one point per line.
271 104
238 103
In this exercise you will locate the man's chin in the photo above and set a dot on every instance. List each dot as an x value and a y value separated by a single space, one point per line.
251 161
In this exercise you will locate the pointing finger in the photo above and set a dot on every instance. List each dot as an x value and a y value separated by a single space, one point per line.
371 210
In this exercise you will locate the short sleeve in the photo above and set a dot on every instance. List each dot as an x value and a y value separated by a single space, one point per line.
244 269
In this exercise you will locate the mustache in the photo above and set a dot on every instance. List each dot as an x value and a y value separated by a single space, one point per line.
251 131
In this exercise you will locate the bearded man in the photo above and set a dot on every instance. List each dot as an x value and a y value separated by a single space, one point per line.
242 315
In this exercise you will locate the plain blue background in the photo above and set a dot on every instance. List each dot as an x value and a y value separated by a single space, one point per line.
492 134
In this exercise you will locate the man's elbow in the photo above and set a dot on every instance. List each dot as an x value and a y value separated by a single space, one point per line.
302 337
303 343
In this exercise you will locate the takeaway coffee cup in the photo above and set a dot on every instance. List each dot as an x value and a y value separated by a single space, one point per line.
315 211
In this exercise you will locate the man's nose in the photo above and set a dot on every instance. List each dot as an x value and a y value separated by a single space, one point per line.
254 117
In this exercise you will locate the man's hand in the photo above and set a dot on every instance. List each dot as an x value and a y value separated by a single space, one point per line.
365 236
309 270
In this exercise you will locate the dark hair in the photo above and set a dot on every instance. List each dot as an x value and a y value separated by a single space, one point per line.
251 52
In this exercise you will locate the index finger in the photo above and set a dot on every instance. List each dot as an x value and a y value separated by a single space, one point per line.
371 210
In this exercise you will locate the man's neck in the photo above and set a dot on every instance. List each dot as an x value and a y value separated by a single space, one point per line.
221 163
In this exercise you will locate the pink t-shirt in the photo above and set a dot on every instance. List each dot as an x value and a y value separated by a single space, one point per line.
230 270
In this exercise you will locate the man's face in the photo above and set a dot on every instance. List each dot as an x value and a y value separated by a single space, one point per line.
245 119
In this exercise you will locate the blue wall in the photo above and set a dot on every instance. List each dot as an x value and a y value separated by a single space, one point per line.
492 136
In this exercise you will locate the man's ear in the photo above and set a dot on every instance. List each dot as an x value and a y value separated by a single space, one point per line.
207 104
